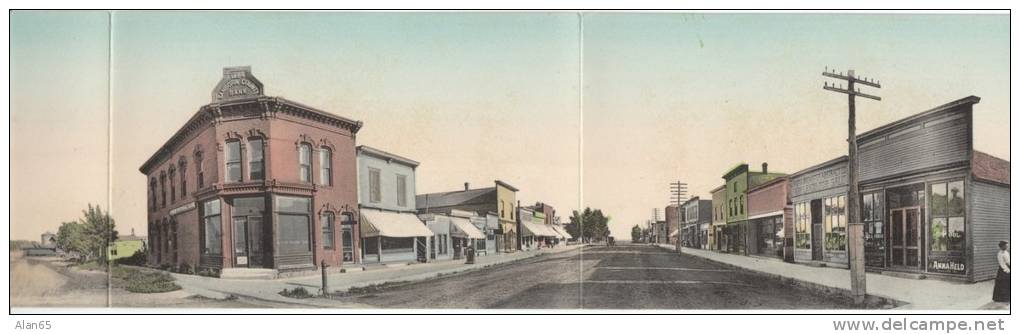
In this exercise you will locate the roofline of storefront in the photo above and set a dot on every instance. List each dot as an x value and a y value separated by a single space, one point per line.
771 182
876 131
386 155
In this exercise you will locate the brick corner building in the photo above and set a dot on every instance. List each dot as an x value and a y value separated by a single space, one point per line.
253 181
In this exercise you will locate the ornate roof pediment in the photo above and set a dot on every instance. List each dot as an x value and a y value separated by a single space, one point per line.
237 83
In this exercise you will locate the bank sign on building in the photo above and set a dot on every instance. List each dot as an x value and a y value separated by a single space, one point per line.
931 204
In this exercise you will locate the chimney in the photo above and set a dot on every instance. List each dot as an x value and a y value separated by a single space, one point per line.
466 186
764 168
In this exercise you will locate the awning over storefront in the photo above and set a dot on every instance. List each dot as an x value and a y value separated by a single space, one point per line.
467 228
392 224
561 231
538 230
675 233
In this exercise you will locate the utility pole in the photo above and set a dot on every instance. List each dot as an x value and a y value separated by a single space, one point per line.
678 194
855 232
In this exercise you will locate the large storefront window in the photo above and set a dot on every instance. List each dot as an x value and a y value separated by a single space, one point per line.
802 226
294 224
834 221
213 230
947 217
874 229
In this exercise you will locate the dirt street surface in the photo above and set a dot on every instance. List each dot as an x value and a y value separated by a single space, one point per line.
622 277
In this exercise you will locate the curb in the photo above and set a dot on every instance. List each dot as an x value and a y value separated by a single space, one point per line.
869 299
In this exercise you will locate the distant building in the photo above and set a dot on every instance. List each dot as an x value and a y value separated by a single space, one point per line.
769 218
716 239
125 246
48 239
500 200
738 180
672 223
696 220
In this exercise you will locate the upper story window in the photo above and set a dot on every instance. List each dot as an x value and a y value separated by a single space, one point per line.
401 190
233 161
173 188
184 178
325 166
374 184
199 170
162 188
256 159
305 162
152 188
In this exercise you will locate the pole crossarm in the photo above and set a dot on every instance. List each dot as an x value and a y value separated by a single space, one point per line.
855 79
844 91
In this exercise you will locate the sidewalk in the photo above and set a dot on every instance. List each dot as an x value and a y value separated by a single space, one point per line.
268 290
918 294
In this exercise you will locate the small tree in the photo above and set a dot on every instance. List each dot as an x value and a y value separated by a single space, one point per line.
89 236
635 233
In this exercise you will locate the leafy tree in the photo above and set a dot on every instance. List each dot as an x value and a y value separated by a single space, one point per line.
89 236
589 225
635 233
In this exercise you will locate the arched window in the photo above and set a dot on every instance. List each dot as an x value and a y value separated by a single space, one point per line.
183 166
199 170
232 156
152 191
256 159
162 188
327 221
305 162
173 188
325 166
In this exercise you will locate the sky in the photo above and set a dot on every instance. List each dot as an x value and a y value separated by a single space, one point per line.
477 97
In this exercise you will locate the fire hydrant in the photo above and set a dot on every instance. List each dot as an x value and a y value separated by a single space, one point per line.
470 254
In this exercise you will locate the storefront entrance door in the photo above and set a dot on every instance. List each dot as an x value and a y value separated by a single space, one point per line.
248 241
816 230
904 237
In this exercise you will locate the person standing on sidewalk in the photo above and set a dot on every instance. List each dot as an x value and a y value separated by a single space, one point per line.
1001 291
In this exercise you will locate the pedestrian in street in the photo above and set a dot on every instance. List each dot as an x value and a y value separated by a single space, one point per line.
1001 291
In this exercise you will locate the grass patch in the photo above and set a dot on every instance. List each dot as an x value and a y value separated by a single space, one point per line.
372 288
142 281
134 279
298 292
